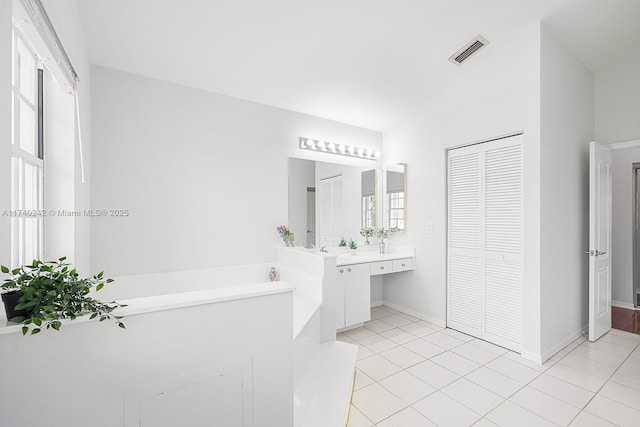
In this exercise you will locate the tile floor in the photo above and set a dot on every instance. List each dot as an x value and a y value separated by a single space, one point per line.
411 373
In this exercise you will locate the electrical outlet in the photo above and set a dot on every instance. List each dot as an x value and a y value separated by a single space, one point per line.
429 227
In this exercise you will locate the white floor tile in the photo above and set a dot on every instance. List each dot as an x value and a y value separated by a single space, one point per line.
389 309
444 411
399 336
362 380
547 407
632 366
419 329
608 347
457 334
614 412
472 396
408 316
494 382
455 363
377 326
585 419
475 353
376 402
397 320
424 348
629 341
378 313
576 377
626 378
377 343
509 414
622 394
443 340
377 367
344 338
407 387
363 352
587 365
433 374
513 370
408 417
402 357
489 347
484 423
358 333
598 356
357 418
562 390
512 355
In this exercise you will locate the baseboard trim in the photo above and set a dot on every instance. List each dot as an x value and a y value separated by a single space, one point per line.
565 342
421 316
626 305
377 303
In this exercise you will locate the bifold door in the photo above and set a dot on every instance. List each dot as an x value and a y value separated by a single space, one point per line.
485 235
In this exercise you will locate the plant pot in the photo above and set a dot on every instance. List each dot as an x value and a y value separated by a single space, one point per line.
10 300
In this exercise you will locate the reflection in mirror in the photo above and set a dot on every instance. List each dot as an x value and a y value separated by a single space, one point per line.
326 202
396 200
369 198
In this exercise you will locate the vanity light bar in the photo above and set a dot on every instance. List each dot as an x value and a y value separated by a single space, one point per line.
341 149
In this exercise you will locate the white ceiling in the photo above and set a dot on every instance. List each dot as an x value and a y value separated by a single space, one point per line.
363 62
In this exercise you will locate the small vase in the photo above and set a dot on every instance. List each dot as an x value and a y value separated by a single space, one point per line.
383 247
273 274
352 251
366 241
288 241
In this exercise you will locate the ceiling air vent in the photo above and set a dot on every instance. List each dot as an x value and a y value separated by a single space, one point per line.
469 49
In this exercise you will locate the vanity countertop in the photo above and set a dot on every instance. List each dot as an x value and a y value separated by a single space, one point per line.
370 256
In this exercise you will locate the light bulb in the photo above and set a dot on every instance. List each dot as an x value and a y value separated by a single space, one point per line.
360 152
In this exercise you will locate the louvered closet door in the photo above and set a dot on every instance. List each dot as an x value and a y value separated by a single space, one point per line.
485 241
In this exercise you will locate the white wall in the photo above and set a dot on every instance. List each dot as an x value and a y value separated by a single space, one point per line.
5 131
617 94
65 18
497 93
567 126
203 175
622 219
302 174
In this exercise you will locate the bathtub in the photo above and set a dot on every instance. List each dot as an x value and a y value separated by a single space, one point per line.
212 344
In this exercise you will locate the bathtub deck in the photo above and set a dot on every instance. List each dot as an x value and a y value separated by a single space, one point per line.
323 396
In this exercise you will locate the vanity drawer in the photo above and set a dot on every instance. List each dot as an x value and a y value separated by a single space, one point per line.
381 267
402 264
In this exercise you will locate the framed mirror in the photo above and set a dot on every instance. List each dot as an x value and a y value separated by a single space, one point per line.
368 198
395 197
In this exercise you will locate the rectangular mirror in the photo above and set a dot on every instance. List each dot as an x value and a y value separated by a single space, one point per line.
329 201
395 193
368 205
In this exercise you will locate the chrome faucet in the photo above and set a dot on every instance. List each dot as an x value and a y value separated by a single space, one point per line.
324 249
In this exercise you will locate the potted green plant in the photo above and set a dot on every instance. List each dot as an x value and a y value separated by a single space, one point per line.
353 245
367 232
343 243
44 293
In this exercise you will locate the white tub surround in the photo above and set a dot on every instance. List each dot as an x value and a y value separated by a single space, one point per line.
319 399
223 354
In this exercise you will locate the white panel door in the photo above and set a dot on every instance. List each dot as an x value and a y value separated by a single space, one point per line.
599 241
485 236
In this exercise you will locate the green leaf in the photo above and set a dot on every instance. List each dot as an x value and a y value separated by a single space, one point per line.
100 286
35 331
121 325
36 320
17 319
93 316
109 280
56 325
4 269
25 329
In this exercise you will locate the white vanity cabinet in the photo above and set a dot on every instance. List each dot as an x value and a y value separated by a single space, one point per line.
353 295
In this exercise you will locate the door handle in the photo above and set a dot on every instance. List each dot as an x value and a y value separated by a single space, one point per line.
598 253
595 253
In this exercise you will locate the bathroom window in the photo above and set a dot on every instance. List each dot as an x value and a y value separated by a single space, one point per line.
27 159
396 210
368 211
